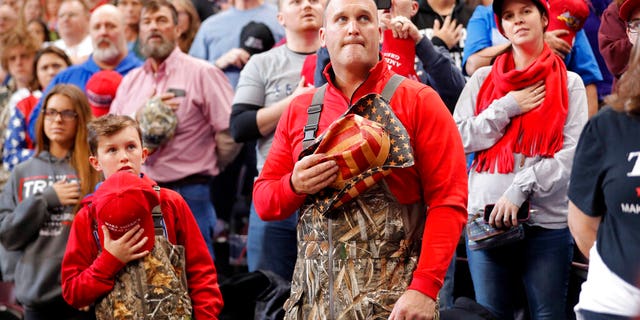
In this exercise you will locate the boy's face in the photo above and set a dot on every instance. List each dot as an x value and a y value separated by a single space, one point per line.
121 151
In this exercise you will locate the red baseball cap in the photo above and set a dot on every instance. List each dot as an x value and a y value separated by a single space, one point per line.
101 90
568 15
627 8
123 201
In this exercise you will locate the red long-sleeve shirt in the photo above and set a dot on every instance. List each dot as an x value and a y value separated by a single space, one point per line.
437 179
88 274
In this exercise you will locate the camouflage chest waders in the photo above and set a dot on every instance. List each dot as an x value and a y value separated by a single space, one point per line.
355 260
358 263
154 287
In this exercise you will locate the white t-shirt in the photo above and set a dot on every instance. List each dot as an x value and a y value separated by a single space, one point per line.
82 49
605 292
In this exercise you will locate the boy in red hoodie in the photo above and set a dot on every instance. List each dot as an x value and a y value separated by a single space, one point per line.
90 272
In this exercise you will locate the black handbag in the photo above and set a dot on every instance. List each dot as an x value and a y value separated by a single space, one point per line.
482 236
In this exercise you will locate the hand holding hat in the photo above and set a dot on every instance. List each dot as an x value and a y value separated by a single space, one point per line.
123 205
365 143
158 123
569 15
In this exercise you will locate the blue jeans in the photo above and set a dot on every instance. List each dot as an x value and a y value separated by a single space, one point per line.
198 199
272 245
446 292
541 262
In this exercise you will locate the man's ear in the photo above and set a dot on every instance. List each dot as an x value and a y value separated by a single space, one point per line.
281 19
95 163
322 36
414 8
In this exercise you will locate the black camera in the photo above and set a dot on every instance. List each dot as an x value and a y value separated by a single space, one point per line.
383 4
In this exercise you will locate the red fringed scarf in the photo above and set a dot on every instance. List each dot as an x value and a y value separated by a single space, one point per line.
537 132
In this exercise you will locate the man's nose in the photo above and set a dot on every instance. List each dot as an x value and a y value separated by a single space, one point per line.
352 27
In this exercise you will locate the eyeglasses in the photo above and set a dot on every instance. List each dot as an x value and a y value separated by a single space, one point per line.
634 26
66 115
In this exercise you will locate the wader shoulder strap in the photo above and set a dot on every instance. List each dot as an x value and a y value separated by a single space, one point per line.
391 86
313 117
317 101
158 221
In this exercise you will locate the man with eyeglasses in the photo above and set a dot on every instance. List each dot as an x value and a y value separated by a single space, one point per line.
73 27
617 35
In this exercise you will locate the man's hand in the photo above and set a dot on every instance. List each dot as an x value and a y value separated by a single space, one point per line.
301 88
504 214
68 192
310 175
530 97
450 32
170 100
413 305
124 249
557 45
235 57
403 28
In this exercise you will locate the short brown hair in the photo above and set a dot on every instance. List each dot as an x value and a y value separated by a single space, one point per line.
107 126
155 5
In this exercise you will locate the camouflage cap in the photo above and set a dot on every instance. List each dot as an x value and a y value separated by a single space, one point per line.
158 123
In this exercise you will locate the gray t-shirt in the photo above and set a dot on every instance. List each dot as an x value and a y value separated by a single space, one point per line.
268 78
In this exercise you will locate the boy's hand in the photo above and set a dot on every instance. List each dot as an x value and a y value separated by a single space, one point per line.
68 192
125 248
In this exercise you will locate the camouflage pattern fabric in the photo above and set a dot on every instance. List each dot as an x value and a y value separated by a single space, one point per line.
357 261
154 287
158 123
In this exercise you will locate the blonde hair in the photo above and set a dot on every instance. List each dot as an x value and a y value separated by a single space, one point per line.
14 39
185 39
80 150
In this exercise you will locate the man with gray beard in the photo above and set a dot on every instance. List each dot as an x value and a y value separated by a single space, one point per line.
200 96
106 28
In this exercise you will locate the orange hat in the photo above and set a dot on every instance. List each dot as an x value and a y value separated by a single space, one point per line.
123 201
364 149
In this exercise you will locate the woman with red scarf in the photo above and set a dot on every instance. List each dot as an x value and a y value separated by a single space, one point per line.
522 118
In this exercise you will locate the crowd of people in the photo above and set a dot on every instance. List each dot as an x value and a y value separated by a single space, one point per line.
362 141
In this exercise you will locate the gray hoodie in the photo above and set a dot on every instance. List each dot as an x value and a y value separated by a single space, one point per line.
34 229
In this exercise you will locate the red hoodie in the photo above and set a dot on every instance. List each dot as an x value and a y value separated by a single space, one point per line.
438 178
88 274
